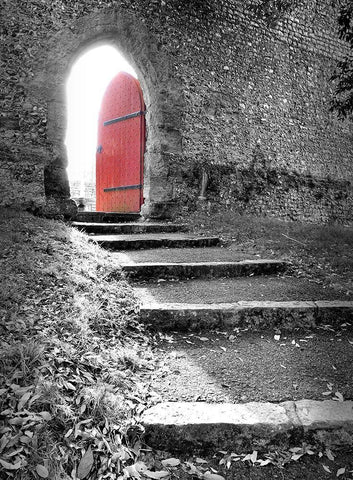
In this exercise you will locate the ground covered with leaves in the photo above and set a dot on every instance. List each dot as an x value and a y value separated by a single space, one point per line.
306 462
72 352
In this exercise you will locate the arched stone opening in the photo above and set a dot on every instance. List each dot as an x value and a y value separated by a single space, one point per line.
162 95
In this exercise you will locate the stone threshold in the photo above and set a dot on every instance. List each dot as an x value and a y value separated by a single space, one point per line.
182 427
106 217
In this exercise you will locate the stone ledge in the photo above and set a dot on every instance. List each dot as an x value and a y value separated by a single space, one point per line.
256 315
129 227
153 240
184 270
181 426
326 414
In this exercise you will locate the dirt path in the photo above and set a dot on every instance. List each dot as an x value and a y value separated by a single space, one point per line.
271 288
226 367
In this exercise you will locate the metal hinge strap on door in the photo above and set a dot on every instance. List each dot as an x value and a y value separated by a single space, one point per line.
125 187
125 117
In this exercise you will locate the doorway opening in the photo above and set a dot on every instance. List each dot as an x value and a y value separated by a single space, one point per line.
163 96
86 86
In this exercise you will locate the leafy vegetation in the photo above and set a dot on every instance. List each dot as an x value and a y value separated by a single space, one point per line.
343 103
72 353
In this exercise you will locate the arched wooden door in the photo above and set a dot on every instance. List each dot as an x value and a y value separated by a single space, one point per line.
121 145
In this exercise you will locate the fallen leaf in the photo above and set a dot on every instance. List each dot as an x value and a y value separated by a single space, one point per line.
212 476
247 457
156 475
46 416
263 463
14 452
23 400
130 471
140 467
204 339
25 439
338 397
329 454
33 399
85 464
326 468
277 337
11 466
340 471
170 462
200 460
42 471
296 456
190 468
253 456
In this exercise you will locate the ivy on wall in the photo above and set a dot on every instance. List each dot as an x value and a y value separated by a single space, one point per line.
271 11
343 101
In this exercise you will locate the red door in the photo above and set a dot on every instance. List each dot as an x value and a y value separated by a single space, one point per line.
121 145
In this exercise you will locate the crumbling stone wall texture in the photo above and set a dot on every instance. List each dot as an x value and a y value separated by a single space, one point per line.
251 104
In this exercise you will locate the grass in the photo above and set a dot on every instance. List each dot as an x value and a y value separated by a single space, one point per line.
322 253
72 351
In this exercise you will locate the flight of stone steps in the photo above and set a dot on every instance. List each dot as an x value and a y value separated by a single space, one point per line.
192 287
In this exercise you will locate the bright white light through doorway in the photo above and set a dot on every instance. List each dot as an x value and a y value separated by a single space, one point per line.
88 80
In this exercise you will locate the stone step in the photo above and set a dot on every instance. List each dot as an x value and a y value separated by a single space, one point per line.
254 315
153 270
106 217
237 365
184 427
153 240
129 227
184 255
280 287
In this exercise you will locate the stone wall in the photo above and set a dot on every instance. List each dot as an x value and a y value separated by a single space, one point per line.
232 88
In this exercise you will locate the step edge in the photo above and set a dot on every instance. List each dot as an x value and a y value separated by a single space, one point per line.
306 412
122 224
243 304
124 238
261 262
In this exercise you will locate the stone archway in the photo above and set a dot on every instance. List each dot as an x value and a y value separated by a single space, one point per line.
161 91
